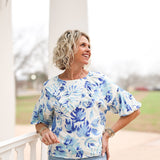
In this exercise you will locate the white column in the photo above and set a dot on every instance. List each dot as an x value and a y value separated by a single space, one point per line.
64 15
7 95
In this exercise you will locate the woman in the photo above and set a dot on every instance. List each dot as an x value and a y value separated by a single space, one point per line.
74 104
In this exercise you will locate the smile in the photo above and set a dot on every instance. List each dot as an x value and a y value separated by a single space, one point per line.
86 55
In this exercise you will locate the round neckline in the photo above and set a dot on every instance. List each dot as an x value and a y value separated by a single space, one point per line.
72 80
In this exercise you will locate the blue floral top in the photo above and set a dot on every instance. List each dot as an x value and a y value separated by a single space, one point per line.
76 112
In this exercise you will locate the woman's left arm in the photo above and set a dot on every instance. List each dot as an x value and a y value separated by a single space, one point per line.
121 123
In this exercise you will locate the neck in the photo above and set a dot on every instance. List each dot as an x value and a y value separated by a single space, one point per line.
75 73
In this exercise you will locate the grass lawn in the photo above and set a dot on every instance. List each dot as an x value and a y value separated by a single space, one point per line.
24 108
149 119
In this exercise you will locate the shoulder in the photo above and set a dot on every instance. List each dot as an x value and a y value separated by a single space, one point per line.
98 76
50 81
51 85
101 80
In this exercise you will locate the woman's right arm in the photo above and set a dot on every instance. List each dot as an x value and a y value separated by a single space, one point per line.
48 137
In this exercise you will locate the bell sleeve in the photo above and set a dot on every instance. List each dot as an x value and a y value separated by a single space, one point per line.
44 110
118 100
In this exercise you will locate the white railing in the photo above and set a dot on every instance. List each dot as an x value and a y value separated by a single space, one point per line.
17 145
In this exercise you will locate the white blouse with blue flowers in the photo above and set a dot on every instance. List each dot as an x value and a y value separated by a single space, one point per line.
76 112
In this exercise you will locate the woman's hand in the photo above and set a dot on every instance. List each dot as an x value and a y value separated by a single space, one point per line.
121 123
48 137
105 146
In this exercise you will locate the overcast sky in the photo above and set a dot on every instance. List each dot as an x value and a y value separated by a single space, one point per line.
125 35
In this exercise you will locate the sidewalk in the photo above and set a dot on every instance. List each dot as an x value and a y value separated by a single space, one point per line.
129 145
125 145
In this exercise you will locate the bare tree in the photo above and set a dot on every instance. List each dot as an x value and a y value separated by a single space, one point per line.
32 60
36 53
150 81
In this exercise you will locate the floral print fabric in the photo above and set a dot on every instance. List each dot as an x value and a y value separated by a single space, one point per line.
76 112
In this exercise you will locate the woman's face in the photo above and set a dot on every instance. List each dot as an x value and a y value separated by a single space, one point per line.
83 52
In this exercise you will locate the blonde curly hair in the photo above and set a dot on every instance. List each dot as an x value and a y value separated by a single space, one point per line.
63 53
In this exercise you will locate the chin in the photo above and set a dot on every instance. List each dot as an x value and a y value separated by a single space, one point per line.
83 63
86 63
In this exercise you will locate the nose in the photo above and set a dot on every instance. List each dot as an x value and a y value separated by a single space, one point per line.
88 49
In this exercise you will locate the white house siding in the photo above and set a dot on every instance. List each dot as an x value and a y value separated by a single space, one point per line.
7 95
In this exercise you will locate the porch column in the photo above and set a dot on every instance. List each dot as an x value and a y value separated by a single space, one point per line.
64 15
7 95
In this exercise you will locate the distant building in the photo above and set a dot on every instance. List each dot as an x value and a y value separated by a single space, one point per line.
141 89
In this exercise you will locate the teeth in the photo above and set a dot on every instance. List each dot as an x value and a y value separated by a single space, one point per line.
86 56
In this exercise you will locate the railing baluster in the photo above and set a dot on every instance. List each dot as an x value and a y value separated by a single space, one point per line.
33 150
6 155
43 151
20 152
18 144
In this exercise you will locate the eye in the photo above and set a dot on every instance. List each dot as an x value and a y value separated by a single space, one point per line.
83 44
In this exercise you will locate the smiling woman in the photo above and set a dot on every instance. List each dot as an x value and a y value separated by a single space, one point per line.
67 50
74 104
82 53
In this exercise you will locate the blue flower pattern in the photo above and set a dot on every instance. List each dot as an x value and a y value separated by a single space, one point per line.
84 130
76 112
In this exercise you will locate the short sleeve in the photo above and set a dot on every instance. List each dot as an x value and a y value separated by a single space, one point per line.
44 110
118 100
